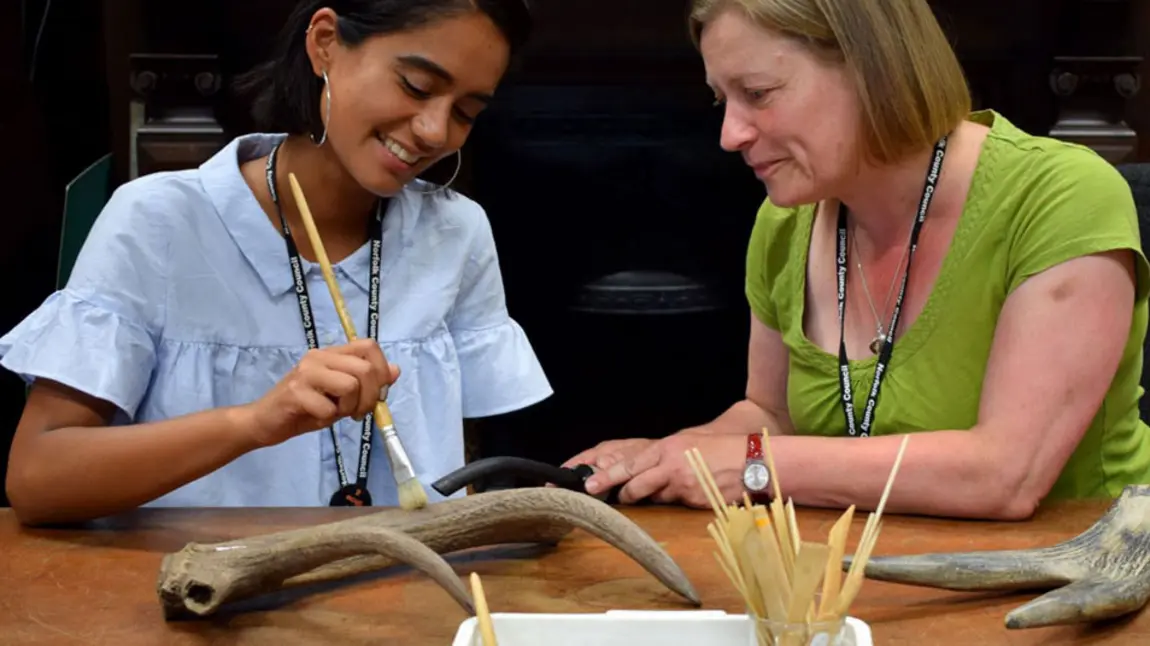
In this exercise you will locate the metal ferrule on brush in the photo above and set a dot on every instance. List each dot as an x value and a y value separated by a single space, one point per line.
396 455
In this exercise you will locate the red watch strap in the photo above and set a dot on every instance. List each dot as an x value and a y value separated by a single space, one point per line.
755 446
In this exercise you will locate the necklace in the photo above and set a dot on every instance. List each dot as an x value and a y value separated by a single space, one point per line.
880 334
846 394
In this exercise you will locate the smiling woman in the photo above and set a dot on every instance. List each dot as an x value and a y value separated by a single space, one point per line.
915 268
195 353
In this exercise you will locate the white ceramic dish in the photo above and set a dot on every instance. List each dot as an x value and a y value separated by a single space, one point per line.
631 628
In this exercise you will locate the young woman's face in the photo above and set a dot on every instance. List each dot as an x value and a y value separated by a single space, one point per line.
401 102
792 116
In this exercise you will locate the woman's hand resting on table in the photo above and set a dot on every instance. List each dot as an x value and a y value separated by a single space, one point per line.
326 385
658 469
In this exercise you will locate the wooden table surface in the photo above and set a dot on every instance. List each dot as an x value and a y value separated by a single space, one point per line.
97 584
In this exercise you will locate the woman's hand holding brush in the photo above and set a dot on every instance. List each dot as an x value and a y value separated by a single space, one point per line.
328 384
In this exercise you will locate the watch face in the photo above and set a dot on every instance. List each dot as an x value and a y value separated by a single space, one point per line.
756 476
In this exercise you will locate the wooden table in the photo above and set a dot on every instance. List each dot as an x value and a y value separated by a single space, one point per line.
97 585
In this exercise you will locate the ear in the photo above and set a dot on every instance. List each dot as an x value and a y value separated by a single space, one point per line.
322 40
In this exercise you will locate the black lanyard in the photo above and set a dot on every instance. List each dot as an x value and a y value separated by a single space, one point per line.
349 494
885 350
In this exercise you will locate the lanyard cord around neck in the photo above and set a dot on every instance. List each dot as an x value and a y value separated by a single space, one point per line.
348 494
880 369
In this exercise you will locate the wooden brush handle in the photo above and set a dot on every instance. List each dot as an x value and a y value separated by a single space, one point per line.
482 614
382 412
321 256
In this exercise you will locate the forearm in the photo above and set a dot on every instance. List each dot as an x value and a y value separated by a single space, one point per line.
746 417
943 473
80 473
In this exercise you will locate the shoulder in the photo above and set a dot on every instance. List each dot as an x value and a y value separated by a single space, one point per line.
778 240
453 213
162 205
775 232
1049 174
1054 201
142 217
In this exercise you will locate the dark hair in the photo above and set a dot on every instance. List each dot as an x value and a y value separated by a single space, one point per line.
284 91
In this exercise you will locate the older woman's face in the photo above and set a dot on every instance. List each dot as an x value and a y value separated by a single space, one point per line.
791 115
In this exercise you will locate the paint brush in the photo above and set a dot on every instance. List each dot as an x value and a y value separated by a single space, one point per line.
411 492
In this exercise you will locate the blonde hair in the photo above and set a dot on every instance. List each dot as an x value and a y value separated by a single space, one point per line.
910 85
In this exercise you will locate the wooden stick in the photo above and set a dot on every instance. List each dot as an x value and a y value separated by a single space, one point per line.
694 458
773 569
486 626
810 565
832 579
869 537
411 493
710 480
778 512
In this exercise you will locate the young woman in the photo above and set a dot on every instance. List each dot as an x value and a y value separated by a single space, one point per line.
917 268
195 357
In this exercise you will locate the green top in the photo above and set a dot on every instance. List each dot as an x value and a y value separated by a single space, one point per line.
1034 202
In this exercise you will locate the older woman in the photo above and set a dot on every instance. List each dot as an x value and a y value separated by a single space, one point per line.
916 269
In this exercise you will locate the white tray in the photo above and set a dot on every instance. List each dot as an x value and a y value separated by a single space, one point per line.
630 628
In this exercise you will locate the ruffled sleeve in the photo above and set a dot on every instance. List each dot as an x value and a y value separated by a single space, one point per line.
99 334
500 372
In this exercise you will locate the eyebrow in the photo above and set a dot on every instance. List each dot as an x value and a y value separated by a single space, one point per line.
433 68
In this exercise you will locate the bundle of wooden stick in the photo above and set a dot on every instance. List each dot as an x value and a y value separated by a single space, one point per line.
777 573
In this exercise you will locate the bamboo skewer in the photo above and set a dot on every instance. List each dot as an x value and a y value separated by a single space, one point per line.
482 614
411 493
778 574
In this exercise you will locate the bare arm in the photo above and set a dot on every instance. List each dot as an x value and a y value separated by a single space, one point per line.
67 465
1035 407
1057 345
63 469
765 405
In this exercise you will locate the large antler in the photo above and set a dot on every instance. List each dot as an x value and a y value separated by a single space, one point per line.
1102 573
200 578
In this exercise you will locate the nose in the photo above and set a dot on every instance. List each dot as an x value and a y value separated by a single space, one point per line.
430 126
737 132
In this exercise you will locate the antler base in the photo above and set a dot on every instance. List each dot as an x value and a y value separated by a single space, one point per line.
1100 574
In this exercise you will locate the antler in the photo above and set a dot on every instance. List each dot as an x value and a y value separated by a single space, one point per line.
1102 573
200 578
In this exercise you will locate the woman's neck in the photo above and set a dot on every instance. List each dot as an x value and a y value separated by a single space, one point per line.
340 207
883 200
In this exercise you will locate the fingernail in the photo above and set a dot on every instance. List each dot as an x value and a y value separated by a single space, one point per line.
383 393
593 485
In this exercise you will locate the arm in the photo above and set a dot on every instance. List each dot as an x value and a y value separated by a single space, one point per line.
68 464
62 469
1035 406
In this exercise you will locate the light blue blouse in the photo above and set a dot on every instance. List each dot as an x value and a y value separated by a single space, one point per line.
182 300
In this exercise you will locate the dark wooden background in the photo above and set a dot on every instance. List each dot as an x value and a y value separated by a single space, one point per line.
605 132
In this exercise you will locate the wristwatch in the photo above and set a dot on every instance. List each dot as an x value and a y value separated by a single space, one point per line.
756 475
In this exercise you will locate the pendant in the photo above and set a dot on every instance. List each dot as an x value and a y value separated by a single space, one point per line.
877 343
351 496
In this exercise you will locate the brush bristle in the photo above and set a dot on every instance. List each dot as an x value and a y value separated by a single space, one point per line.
411 495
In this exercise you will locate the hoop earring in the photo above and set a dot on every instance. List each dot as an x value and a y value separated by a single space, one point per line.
327 92
458 165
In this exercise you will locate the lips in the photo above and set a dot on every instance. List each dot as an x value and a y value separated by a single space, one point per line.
762 169
403 153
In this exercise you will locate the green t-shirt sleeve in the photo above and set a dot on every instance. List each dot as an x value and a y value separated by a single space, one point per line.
758 293
1079 205
771 245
